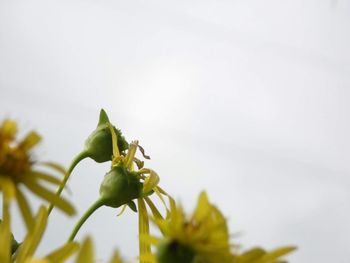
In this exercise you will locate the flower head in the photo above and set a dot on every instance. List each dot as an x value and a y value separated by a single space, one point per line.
26 250
18 167
202 237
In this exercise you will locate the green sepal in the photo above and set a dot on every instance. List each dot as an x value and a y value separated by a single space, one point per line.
132 206
120 187
14 245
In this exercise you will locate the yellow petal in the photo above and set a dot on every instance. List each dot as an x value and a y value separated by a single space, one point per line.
144 247
5 236
114 141
33 237
252 255
149 258
8 129
55 167
25 209
150 239
49 196
45 177
275 254
63 253
8 188
163 226
86 254
131 154
115 258
157 215
39 260
172 202
203 207
151 181
31 139
158 193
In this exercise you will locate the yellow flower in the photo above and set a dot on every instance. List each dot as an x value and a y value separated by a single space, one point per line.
203 237
17 167
25 253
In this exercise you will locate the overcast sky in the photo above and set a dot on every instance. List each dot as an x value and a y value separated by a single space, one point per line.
246 99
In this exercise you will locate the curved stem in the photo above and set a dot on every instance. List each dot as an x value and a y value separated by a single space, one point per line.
96 205
73 164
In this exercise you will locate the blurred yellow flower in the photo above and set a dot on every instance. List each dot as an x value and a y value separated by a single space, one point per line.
25 253
17 167
86 254
203 237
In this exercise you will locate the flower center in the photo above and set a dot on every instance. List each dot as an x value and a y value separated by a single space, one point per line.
14 161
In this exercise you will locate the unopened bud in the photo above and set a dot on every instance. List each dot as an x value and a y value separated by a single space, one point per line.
120 187
98 146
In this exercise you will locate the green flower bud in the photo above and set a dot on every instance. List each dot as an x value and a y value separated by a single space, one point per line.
98 146
120 187
171 251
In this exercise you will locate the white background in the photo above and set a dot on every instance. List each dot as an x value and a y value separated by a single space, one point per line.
246 99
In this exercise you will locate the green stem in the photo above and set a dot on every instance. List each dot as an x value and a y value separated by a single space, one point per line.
96 205
73 164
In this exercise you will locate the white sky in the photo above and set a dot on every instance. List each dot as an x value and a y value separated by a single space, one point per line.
246 99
